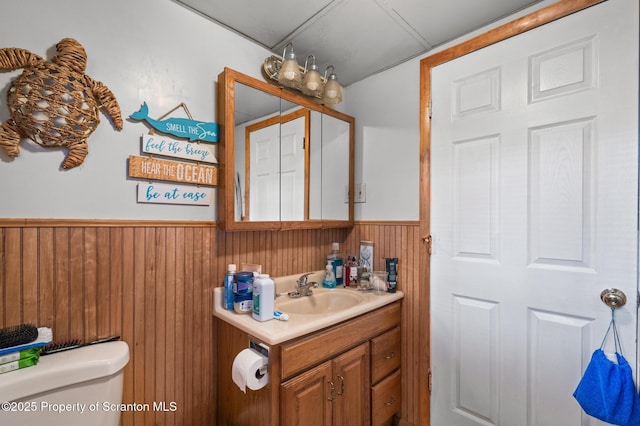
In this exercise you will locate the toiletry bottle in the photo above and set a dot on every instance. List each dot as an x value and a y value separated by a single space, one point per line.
243 292
364 282
329 280
338 263
351 272
392 269
227 301
263 297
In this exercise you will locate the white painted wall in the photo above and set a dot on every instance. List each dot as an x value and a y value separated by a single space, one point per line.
164 54
387 111
386 107
143 50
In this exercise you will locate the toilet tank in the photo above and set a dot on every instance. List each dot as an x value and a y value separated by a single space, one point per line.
74 387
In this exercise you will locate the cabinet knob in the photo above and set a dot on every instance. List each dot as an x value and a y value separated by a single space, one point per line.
390 356
392 401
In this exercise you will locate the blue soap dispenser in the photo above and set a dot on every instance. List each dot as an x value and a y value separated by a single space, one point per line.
329 280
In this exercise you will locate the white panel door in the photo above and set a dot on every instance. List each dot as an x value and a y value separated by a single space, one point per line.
534 171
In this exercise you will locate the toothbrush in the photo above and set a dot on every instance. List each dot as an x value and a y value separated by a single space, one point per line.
52 348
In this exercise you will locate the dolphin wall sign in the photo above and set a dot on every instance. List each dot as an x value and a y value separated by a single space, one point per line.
181 127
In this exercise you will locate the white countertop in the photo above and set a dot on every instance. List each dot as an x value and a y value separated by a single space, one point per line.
275 331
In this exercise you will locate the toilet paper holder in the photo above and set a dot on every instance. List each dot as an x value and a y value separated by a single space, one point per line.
264 350
260 347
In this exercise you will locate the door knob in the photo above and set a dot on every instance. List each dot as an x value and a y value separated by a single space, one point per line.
613 298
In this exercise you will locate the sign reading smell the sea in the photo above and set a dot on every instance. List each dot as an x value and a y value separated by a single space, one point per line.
154 169
180 127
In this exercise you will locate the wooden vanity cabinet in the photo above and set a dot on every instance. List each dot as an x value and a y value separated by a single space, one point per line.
334 393
347 374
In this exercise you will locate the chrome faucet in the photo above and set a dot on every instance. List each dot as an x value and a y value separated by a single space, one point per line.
303 286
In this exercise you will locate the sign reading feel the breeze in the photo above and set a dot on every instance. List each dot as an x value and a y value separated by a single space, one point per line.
162 145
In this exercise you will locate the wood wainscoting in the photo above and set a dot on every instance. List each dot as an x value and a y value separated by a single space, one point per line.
152 284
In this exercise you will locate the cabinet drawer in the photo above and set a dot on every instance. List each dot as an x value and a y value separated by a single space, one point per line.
385 354
300 354
385 400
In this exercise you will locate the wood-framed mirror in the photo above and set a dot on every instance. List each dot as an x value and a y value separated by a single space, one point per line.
286 162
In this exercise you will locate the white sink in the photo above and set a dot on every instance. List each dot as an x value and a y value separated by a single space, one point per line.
326 307
320 302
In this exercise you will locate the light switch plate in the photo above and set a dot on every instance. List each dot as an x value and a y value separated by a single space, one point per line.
360 190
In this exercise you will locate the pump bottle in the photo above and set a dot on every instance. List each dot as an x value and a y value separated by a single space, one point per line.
329 280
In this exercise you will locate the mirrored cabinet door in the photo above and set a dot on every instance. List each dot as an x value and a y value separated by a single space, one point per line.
287 162
335 168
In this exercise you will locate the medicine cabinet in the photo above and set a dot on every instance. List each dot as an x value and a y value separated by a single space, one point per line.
286 162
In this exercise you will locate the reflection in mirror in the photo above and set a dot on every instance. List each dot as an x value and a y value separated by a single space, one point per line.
335 167
294 160
257 135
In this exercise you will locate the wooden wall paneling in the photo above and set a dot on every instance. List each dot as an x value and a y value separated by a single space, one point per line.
103 283
212 279
46 280
88 282
199 331
139 341
402 241
75 277
188 366
153 286
29 269
62 290
159 322
126 254
169 319
13 277
179 368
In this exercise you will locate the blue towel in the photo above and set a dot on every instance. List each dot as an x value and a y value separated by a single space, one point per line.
607 392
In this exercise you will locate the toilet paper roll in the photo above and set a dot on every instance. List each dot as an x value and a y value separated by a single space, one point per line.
250 370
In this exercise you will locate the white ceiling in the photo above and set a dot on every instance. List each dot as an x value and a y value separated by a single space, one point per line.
358 37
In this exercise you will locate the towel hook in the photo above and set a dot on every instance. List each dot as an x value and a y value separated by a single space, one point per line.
613 298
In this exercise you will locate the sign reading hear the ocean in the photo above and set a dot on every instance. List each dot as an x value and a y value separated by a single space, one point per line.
181 127
173 171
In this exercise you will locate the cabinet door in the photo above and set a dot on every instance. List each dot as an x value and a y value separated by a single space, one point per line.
306 398
351 378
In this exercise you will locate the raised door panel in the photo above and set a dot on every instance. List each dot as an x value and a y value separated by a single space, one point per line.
351 379
305 399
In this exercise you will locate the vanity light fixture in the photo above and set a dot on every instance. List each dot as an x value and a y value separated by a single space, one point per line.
286 72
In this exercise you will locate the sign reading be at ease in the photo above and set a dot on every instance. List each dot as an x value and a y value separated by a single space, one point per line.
173 171
174 194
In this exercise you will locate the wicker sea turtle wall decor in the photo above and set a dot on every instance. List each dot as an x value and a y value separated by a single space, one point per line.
54 103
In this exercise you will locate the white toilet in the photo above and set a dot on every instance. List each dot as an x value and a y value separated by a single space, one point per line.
76 387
